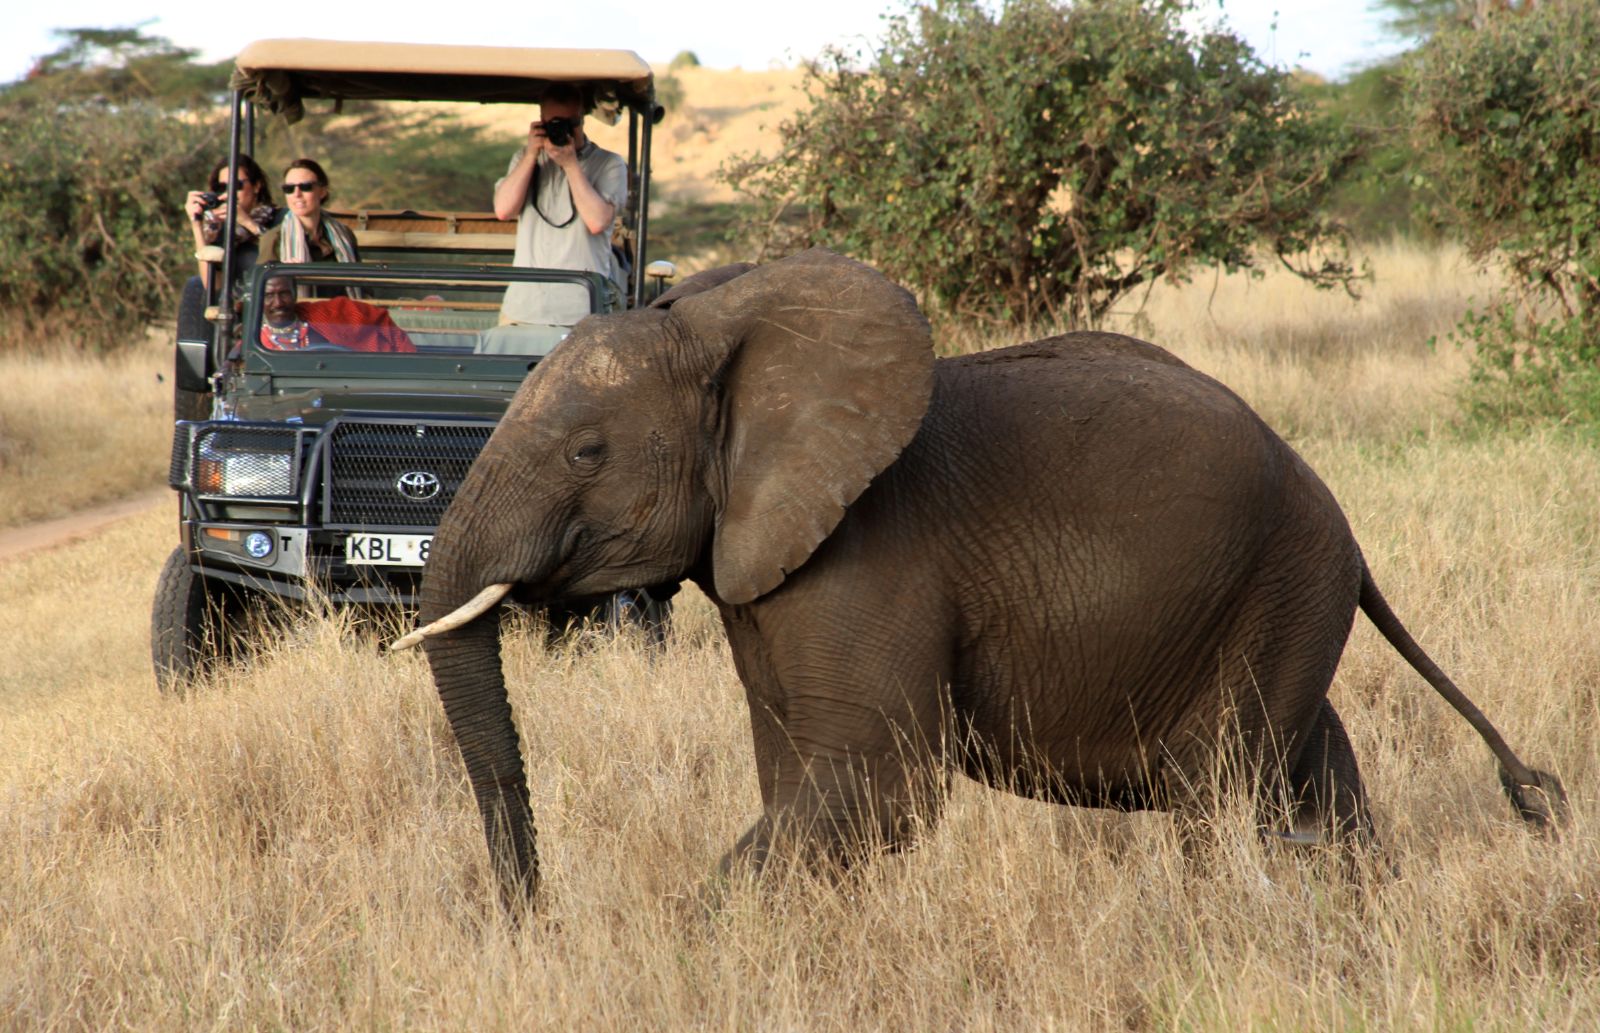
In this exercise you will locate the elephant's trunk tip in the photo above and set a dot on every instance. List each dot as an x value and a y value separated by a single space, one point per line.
474 608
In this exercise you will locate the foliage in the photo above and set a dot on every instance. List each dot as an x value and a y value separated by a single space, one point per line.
1046 159
683 59
1529 370
670 93
1509 115
1420 19
92 165
1379 196
119 66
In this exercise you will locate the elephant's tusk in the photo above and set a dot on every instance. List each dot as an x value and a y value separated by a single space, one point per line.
476 607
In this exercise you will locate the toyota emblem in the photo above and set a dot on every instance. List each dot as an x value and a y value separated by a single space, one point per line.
418 485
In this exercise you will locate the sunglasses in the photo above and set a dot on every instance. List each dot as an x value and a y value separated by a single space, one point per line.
304 188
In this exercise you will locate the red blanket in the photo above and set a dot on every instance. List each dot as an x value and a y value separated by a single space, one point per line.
355 325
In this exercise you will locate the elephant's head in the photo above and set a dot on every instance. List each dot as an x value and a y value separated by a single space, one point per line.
722 431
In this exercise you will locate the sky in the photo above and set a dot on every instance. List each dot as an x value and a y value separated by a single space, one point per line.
1331 37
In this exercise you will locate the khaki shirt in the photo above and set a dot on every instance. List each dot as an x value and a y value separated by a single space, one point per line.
554 237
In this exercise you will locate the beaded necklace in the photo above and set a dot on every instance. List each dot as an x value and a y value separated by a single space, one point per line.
284 337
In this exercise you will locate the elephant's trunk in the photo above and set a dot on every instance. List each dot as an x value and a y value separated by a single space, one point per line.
467 672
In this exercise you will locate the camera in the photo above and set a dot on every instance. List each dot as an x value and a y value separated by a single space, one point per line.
208 200
559 130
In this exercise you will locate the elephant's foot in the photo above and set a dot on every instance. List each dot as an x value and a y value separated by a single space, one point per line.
747 859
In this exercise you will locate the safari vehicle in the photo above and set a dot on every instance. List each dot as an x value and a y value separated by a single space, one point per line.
325 467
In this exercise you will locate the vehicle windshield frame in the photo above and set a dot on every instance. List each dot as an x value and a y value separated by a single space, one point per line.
259 359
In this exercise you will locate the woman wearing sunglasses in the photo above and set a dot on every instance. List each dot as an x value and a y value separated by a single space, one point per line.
208 213
307 233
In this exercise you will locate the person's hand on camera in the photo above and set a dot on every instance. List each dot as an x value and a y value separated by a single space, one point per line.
195 204
564 155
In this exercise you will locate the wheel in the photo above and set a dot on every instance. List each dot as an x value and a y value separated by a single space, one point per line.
629 608
191 624
637 608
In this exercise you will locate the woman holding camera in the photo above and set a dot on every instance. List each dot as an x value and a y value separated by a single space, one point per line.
208 214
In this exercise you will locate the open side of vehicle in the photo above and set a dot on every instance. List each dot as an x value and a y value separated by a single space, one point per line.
326 412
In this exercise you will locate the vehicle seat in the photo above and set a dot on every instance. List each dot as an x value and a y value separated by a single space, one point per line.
522 339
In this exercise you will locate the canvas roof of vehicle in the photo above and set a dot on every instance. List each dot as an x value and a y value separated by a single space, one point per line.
281 74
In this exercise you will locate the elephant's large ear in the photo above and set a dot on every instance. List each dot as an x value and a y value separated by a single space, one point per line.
702 281
824 369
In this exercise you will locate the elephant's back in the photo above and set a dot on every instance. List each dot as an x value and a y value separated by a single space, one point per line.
1111 413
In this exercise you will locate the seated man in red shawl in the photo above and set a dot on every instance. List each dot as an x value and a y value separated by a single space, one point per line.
287 325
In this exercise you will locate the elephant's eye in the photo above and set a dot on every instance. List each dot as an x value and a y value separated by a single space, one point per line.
589 453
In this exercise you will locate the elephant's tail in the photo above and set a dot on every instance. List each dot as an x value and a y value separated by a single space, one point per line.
1537 796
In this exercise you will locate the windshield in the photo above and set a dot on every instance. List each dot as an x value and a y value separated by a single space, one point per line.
319 307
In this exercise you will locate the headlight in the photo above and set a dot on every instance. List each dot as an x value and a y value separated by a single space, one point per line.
247 463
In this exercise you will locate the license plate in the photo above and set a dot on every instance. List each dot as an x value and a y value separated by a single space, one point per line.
394 550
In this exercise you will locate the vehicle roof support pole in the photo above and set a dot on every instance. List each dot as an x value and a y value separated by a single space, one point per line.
631 216
633 144
640 259
224 324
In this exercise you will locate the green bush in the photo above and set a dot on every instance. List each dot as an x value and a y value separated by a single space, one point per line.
1379 196
1526 371
97 147
1509 115
1043 159
92 232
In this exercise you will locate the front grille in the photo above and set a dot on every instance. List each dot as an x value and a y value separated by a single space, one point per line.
397 474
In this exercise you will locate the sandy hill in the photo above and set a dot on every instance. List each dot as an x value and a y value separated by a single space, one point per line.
724 112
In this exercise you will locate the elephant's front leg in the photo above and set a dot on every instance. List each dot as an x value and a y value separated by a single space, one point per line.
851 750
832 811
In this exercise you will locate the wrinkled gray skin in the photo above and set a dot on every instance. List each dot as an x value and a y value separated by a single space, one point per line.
1076 569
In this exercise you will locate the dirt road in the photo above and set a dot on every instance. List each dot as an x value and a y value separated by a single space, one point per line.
49 533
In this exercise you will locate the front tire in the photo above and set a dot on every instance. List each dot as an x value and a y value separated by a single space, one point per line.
191 624
629 608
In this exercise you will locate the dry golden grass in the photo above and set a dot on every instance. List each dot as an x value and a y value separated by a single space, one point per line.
76 429
295 846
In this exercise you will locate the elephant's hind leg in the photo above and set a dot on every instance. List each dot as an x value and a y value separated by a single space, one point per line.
1326 797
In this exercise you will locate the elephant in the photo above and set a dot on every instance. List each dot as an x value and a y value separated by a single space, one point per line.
1076 569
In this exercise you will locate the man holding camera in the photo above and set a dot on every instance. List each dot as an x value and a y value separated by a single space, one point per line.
564 190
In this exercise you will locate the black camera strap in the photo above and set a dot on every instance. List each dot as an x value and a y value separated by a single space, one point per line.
533 198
